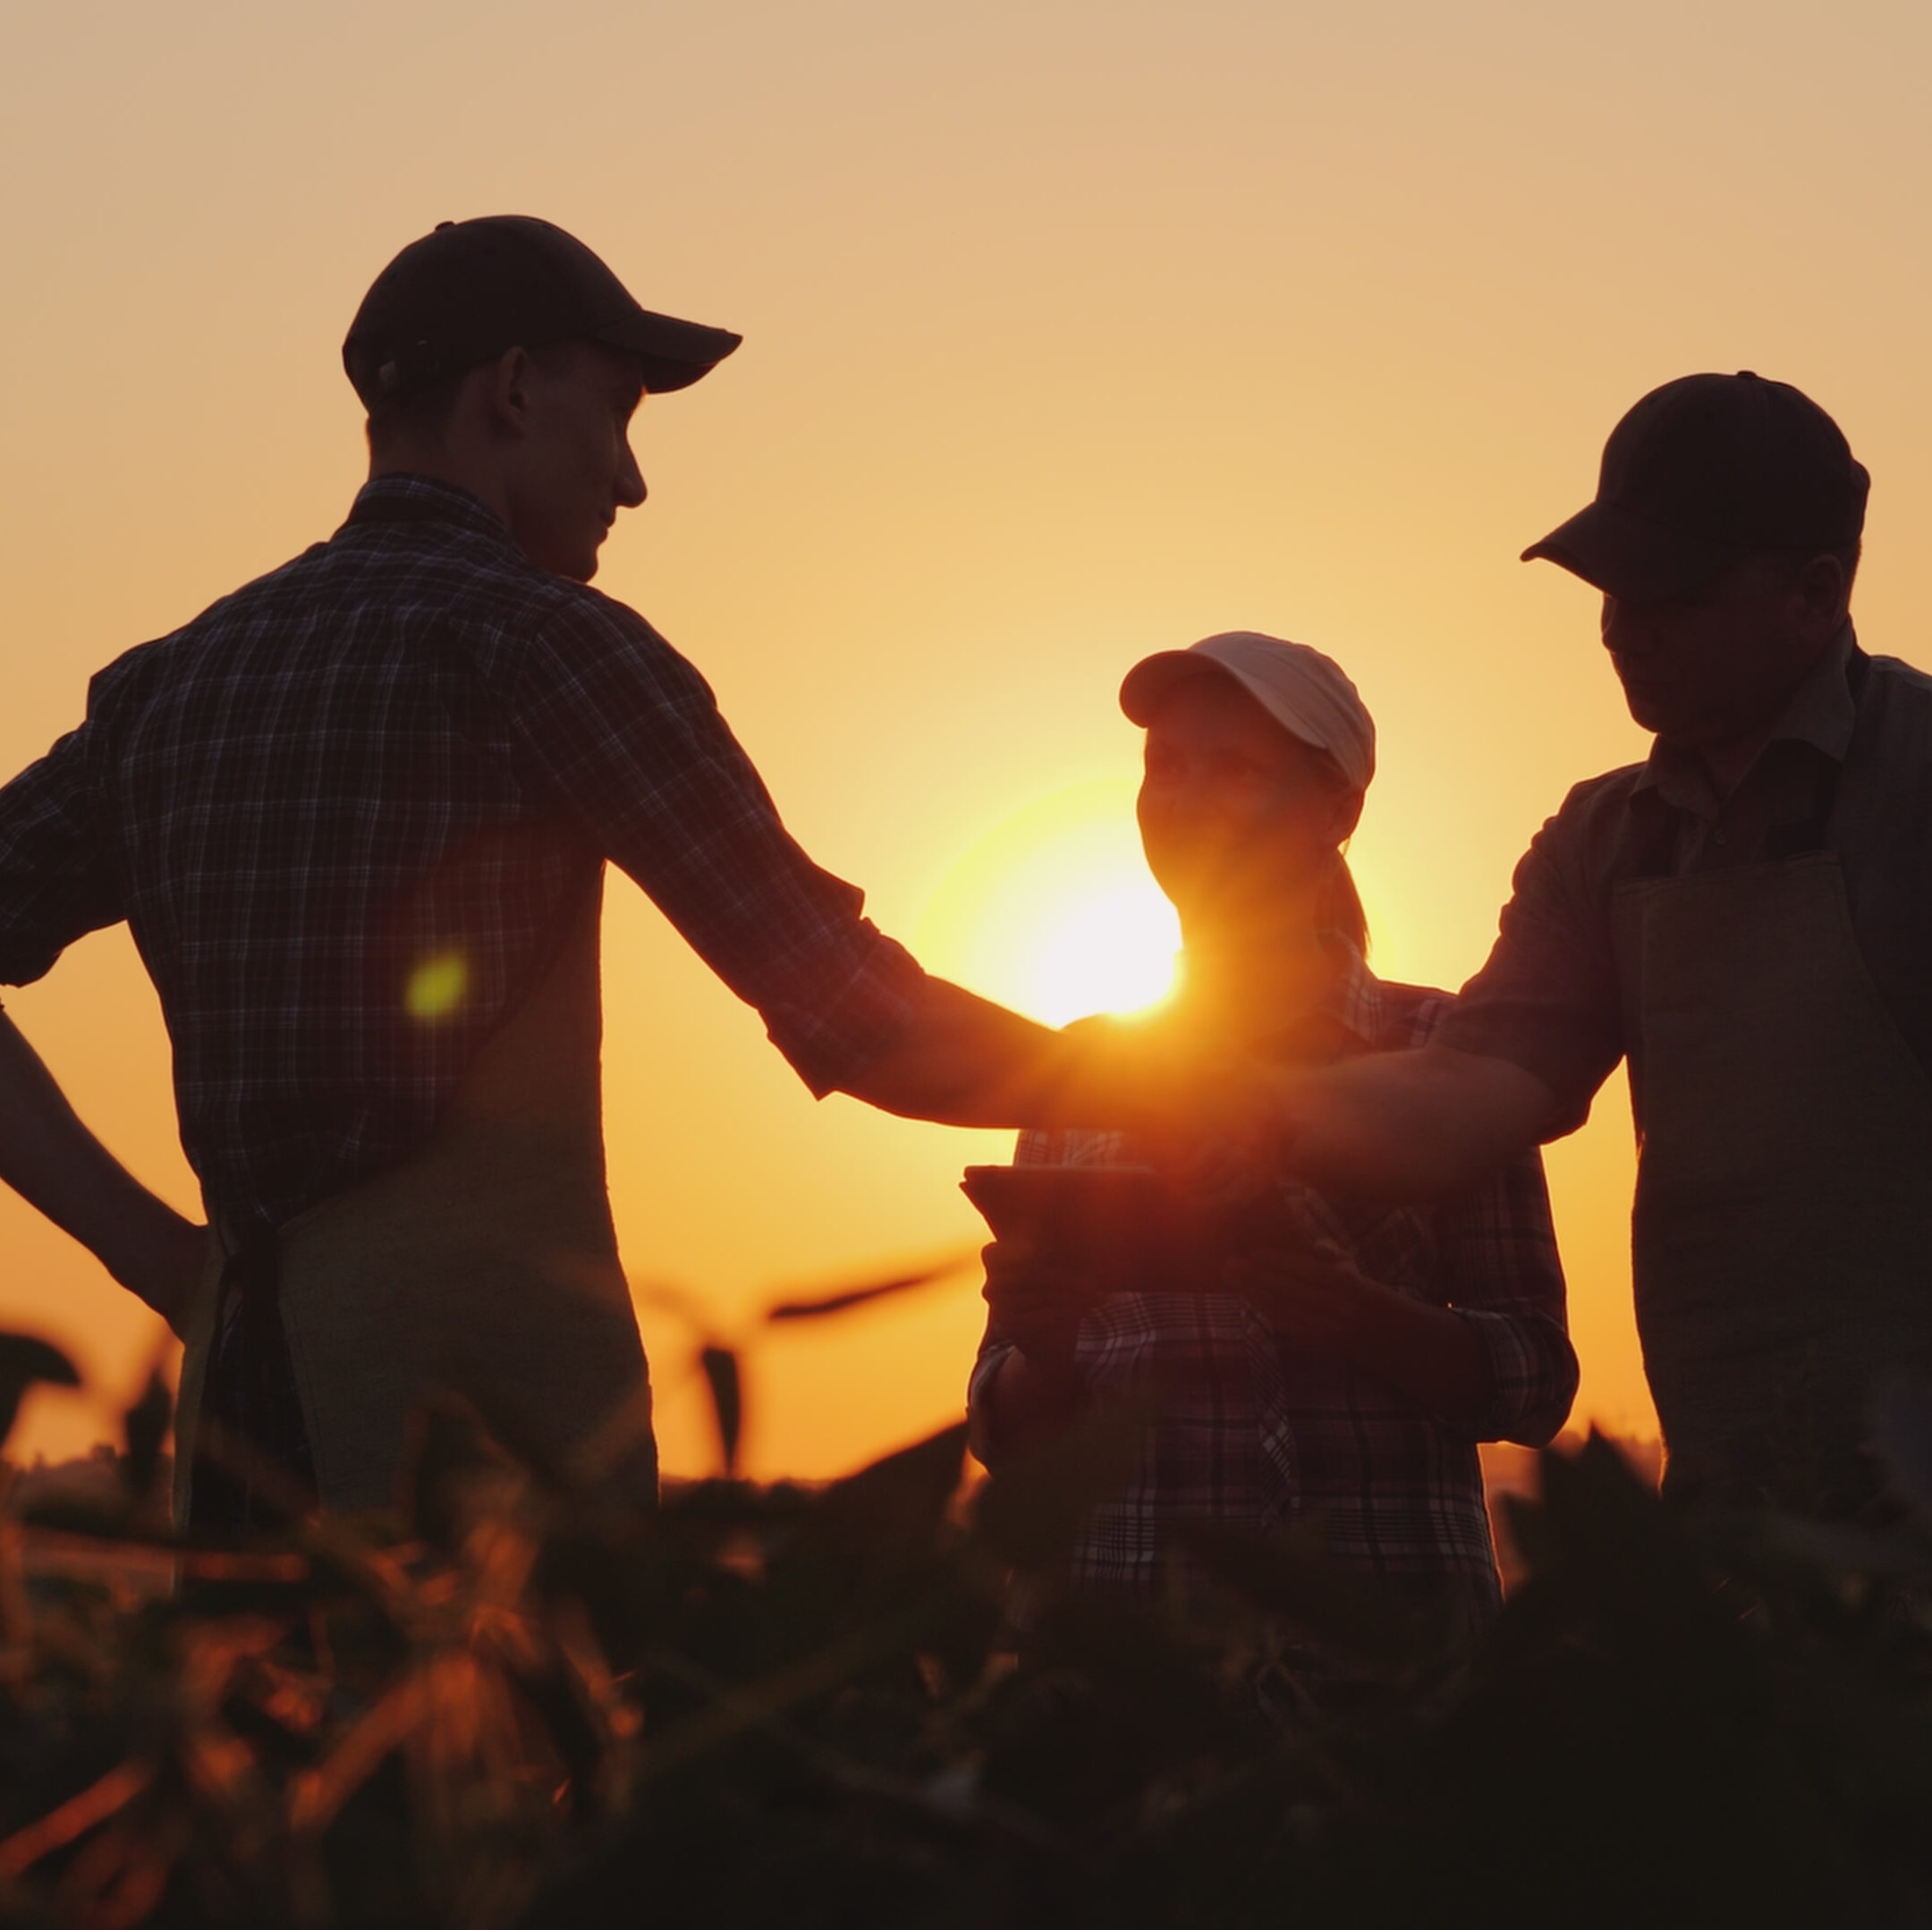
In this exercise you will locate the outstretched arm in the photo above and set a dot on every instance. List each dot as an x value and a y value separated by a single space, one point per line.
1417 1126
963 1061
1412 1127
960 1060
51 1159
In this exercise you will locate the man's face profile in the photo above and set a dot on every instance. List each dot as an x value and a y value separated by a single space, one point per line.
1711 668
574 468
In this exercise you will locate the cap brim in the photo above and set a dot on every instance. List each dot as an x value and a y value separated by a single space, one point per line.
1150 679
675 353
1631 557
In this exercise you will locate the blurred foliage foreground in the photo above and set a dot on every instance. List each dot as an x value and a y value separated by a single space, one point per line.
512 1706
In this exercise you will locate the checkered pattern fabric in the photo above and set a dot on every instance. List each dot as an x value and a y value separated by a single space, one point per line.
1256 1434
347 810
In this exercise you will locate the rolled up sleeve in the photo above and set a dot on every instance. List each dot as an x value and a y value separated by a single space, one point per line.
57 875
627 735
1501 1274
1547 999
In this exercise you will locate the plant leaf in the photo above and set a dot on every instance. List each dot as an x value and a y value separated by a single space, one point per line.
448 1450
23 1360
144 1427
894 1505
836 1303
720 1366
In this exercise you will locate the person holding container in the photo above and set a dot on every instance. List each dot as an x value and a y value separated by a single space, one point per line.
1311 1356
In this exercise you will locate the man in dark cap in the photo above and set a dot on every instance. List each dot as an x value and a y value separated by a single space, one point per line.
357 815
1744 917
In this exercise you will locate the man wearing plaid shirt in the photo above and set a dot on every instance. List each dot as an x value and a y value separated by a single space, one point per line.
356 815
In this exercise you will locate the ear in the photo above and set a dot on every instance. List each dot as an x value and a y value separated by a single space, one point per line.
1344 813
504 391
1823 591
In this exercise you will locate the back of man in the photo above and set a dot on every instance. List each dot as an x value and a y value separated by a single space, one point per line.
357 817
348 815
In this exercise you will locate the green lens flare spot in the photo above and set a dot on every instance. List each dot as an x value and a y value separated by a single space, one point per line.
436 986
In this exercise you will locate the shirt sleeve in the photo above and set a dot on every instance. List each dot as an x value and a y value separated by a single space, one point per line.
57 877
627 733
1500 1272
981 1434
1547 999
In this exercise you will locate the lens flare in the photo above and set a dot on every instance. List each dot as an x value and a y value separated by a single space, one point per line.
436 988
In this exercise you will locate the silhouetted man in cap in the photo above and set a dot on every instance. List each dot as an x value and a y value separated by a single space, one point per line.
1746 917
357 815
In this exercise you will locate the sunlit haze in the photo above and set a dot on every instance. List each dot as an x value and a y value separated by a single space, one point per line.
1053 911
1073 331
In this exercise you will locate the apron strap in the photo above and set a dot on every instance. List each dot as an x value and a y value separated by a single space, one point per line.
251 1394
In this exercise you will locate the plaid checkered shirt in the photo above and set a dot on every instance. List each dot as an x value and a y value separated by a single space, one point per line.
1256 1434
347 810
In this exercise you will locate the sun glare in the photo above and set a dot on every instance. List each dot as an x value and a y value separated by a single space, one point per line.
1114 951
1053 911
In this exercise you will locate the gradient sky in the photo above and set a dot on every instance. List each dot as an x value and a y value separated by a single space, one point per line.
1073 331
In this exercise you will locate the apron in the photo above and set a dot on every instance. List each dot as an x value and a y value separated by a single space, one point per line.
1781 1238
484 1263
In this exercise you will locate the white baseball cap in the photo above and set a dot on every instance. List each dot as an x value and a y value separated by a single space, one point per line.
1308 694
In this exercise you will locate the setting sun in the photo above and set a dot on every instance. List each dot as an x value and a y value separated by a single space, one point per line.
1112 950
1053 910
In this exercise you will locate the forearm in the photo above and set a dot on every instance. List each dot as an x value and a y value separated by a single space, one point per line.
1425 1354
963 1060
51 1159
1410 1126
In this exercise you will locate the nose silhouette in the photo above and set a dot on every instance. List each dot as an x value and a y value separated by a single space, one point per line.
1623 627
631 486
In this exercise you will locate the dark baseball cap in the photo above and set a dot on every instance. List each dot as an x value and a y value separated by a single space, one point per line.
472 289
1703 472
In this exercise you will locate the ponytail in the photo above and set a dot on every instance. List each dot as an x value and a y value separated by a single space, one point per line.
1339 907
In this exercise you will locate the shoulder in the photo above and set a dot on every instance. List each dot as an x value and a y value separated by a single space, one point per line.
243 610
1407 1014
1901 694
1597 803
1909 682
572 629
1590 841
109 687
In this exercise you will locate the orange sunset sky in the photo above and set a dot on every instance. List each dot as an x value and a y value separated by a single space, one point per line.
1073 330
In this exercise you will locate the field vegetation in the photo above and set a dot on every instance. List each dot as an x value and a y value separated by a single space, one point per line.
510 1705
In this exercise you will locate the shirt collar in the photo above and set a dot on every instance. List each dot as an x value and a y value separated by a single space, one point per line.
1354 998
410 498
1352 1002
1821 712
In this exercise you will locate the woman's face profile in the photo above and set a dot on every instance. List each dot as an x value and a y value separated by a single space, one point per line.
1236 813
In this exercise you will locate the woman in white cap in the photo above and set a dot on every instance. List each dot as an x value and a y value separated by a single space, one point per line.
1343 1366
